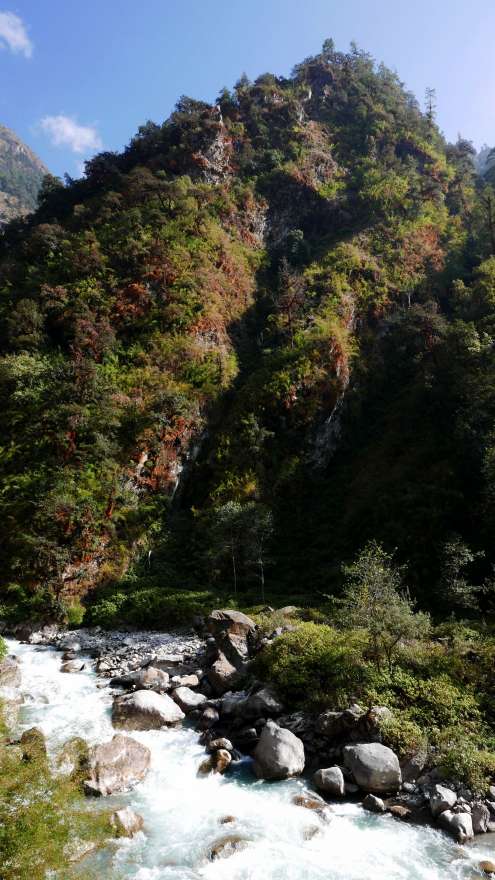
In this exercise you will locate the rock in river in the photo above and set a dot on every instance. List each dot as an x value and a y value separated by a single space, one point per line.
330 780
116 766
145 710
279 753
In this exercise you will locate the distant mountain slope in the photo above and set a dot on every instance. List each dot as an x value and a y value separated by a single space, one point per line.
21 173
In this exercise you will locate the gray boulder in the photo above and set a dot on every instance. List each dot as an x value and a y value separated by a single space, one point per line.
481 818
188 699
460 825
279 754
231 631
145 710
116 766
223 676
331 781
144 679
442 799
375 767
263 704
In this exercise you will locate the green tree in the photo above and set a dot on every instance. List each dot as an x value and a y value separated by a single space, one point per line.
375 600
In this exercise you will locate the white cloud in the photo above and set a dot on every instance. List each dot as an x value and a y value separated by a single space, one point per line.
66 132
13 34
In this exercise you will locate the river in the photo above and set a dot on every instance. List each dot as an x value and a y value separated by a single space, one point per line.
182 812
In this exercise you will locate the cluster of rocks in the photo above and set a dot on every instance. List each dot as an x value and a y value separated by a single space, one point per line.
160 680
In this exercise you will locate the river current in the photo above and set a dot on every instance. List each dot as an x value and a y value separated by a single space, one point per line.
182 813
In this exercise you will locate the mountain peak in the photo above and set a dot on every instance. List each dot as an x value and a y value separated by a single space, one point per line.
21 174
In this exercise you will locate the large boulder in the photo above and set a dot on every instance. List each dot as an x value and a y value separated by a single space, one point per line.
481 818
279 753
442 799
152 679
116 766
188 699
223 676
460 825
145 710
331 781
263 704
231 631
10 673
374 767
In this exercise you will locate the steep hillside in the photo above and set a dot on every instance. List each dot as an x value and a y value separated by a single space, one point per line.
21 175
255 339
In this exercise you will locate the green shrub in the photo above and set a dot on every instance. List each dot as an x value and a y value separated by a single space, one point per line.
75 614
153 607
404 736
313 666
459 758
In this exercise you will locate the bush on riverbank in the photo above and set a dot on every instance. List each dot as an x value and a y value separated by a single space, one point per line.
436 697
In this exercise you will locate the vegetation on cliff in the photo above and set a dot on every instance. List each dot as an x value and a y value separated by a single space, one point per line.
258 338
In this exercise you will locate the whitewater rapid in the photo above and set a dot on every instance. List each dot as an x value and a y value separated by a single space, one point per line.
182 813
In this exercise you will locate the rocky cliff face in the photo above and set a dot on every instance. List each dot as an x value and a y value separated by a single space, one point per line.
21 174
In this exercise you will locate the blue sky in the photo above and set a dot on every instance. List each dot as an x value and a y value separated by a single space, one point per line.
79 75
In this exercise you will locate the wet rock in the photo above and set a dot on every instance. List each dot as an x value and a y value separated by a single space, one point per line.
227 820
442 799
126 822
351 788
188 699
374 767
331 781
33 745
487 867
227 846
10 672
71 666
73 756
223 676
460 825
373 804
116 766
279 753
150 678
481 818
221 743
232 631
309 801
216 763
400 811
145 710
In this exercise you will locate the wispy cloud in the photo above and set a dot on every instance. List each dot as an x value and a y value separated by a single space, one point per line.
13 34
64 131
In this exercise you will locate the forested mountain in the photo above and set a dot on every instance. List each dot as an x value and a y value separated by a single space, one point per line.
255 339
21 176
